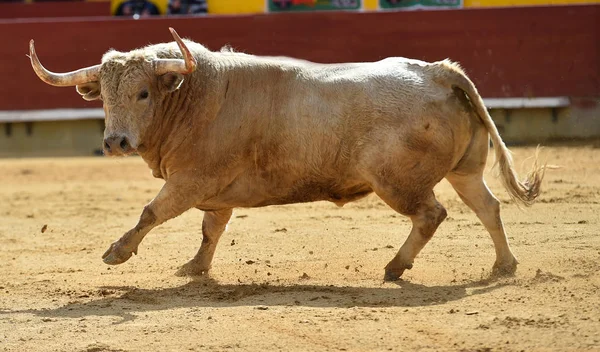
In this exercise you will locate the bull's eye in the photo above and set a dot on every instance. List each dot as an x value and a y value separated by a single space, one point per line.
143 95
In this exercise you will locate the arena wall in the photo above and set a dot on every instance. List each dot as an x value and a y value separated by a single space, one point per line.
53 9
508 52
51 138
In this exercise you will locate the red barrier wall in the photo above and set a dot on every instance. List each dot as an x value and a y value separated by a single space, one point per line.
14 10
508 52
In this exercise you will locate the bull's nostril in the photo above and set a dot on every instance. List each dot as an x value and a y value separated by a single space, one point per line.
124 144
106 146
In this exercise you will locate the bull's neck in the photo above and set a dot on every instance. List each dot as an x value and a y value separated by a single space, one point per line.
166 134
173 133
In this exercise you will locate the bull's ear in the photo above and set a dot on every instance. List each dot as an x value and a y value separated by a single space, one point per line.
89 91
171 81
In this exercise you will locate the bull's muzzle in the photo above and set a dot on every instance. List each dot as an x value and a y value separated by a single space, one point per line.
117 145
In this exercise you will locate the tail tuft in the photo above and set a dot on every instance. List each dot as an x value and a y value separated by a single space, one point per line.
523 192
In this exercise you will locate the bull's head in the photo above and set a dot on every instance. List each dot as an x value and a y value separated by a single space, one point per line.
131 89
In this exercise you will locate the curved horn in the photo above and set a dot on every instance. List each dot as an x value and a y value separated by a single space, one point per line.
185 66
83 75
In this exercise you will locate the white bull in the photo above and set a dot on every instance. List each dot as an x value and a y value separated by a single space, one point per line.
227 130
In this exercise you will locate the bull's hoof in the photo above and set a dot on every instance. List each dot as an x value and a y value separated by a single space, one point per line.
192 269
116 254
507 268
394 274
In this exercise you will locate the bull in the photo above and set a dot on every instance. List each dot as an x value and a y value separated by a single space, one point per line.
227 130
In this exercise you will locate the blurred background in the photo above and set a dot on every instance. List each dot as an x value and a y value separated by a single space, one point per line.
535 62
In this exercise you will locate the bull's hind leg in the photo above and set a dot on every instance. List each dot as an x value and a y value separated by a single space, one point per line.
426 215
213 226
474 192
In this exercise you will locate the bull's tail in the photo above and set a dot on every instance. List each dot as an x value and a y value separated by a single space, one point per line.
524 192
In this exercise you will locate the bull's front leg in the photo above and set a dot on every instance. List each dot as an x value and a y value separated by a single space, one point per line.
177 195
213 226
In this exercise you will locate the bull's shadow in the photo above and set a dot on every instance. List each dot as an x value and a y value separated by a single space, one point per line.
124 301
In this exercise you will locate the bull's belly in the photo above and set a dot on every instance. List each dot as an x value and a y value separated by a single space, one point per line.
337 197
260 194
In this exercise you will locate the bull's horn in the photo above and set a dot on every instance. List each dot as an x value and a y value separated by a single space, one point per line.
81 76
185 66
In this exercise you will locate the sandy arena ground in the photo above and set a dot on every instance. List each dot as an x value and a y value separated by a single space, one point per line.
292 278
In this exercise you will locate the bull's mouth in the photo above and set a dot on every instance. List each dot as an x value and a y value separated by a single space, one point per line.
121 152
131 152
140 149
